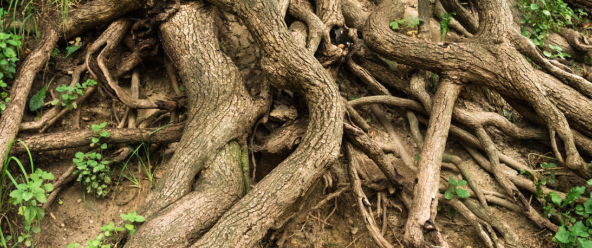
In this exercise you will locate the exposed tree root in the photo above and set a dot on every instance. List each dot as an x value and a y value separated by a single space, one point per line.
47 116
423 213
362 201
220 185
215 117
79 138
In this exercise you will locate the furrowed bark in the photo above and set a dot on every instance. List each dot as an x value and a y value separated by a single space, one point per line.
220 108
421 214
506 72
219 185
80 138
288 66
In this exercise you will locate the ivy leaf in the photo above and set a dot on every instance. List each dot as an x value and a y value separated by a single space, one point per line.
463 193
573 194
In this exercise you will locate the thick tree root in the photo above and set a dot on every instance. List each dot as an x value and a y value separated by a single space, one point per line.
79 138
423 212
216 117
219 186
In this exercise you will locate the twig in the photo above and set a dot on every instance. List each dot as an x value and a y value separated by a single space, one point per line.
354 241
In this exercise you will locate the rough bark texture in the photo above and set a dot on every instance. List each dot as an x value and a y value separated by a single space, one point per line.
288 66
219 185
79 138
220 108
421 215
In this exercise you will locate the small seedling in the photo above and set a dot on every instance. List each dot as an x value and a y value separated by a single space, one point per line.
69 93
60 201
93 171
454 190
411 21
110 230
132 217
368 120
444 25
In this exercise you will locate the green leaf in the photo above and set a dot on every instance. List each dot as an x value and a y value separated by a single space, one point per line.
548 54
563 235
573 194
55 101
103 146
534 6
394 25
36 229
462 183
71 49
452 181
448 194
463 193
105 134
9 52
555 198
48 187
95 140
36 101
584 243
96 128
129 227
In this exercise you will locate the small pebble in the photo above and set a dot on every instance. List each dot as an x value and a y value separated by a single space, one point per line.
79 200
85 119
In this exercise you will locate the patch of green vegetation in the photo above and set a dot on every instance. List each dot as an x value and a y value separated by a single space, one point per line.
411 21
92 169
453 189
69 93
27 195
544 16
111 230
